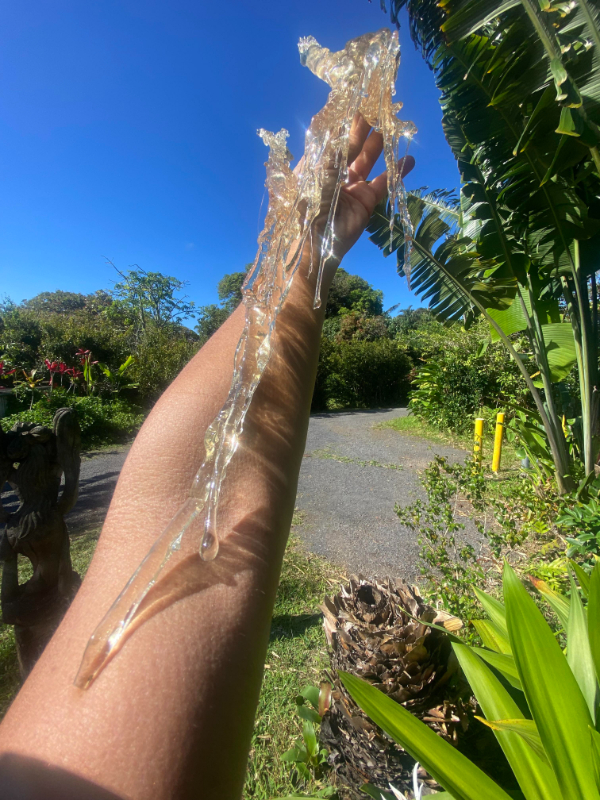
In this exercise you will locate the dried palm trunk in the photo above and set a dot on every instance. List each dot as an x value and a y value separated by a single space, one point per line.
374 631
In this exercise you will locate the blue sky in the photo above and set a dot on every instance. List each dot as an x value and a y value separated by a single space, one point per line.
128 131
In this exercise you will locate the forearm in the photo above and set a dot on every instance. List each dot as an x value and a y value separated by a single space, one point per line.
190 675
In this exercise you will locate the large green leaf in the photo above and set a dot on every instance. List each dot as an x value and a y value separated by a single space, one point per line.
492 636
495 610
526 729
579 655
593 610
553 695
582 577
557 601
520 93
443 268
596 755
535 777
513 319
451 769
560 349
505 664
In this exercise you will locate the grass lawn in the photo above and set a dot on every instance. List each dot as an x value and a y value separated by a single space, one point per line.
296 657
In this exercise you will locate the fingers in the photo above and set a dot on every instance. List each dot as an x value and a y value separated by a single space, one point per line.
379 184
365 161
358 135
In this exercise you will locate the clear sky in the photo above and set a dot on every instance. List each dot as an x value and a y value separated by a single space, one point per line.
128 131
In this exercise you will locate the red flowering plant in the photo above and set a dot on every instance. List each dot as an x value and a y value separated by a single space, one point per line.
52 367
5 372
85 359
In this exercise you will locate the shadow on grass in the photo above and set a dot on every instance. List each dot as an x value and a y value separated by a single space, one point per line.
287 626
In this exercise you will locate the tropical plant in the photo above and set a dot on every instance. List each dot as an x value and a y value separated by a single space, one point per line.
581 523
309 759
520 85
5 370
541 704
116 379
85 359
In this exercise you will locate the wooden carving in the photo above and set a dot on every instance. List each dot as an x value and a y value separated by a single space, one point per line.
33 459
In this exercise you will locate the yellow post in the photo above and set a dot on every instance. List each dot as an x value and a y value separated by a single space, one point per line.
478 448
498 441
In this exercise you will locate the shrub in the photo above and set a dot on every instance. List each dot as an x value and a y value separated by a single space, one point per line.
30 334
462 376
101 421
361 374
160 356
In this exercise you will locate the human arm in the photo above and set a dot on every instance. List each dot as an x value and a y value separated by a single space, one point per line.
172 715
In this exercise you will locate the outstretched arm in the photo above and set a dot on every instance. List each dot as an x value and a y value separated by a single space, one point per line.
172 716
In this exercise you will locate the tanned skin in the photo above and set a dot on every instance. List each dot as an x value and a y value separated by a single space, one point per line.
171 716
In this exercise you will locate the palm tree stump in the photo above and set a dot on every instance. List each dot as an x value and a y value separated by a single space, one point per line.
376 631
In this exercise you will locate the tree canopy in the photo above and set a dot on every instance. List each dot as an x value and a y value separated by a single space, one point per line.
353 293
151 297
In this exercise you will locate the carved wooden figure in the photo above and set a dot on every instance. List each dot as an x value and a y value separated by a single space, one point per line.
33 459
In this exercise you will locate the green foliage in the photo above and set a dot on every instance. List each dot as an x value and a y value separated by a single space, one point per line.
505 515
297 656
116 380
462 376
229 289
448 560
520 93
525 508
310 761
29 336
210 319
59 326
361 374
545 721
353 293
160 355
581 524
101 421
58 302
149 298
410 322
357 327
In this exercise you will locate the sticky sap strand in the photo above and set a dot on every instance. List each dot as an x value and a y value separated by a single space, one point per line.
361 78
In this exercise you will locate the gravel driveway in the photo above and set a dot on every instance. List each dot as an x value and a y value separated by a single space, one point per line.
352 475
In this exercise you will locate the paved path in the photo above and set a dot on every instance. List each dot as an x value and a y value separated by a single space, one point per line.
348 504
346 499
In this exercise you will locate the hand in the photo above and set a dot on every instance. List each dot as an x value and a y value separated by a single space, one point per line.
358 198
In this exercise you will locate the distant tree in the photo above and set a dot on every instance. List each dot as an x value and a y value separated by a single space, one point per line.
210 319
60 302
57 302
410 319
229 289
353 293
358 327
150 298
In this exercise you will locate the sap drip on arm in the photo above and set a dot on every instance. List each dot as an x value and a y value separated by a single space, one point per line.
362 78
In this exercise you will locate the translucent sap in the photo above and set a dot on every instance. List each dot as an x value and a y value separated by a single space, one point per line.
362 78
